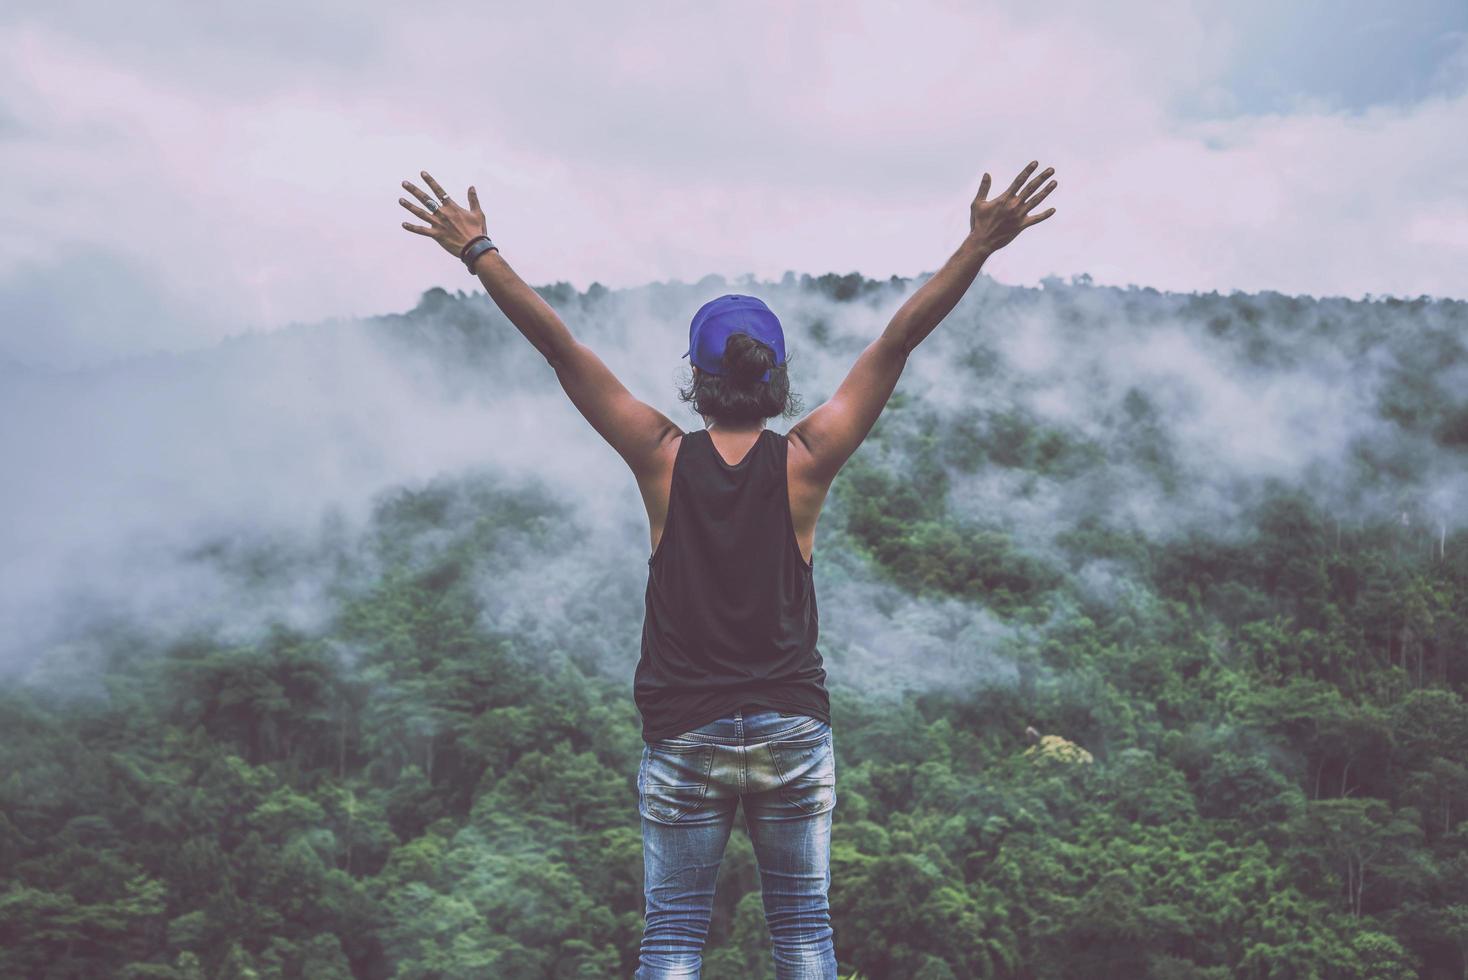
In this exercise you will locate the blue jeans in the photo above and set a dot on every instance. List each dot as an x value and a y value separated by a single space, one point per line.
783 766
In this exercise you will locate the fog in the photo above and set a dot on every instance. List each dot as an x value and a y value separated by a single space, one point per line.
218 491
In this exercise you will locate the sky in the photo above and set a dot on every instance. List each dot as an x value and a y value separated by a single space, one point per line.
179 173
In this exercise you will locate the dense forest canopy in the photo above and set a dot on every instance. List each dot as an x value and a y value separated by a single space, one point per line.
1145 617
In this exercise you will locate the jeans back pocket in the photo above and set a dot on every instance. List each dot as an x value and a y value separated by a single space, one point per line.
807 768
673 782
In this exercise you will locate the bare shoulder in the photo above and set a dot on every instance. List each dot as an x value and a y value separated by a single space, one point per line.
808 487
667 450
800 463
655 481
656 476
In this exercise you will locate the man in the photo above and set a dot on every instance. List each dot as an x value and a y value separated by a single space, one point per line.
730 685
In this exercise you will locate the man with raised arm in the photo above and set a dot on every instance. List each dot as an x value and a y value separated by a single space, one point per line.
730 686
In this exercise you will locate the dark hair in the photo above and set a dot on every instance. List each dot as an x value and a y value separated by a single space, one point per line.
738 395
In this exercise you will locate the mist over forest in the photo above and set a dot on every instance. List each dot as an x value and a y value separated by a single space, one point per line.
319 644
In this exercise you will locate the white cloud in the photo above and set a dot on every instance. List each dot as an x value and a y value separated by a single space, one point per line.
257 182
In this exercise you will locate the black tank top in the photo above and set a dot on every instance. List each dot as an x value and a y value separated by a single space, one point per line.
731 603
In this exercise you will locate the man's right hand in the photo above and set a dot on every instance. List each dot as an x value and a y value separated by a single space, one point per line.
995 223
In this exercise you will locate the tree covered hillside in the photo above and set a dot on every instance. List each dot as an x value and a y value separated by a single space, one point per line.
1145 617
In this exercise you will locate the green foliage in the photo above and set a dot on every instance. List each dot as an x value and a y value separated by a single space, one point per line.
1249 754
905 529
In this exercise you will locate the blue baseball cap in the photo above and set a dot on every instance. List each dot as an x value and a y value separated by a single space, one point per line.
730 314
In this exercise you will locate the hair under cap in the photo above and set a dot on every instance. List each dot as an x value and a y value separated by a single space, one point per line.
730 314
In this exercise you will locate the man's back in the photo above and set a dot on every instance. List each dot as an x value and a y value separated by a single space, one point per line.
807 489
731 616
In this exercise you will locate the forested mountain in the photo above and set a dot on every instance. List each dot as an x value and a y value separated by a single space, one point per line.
1145 617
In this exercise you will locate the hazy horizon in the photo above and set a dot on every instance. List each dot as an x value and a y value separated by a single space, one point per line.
154 490
181 174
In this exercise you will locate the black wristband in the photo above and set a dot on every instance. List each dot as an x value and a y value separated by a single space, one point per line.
476 249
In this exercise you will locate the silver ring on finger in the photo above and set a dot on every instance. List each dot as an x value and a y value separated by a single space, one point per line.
432 206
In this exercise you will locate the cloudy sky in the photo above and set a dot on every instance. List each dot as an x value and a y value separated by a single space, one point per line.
179 172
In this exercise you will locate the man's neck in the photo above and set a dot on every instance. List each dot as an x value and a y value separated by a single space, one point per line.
726 430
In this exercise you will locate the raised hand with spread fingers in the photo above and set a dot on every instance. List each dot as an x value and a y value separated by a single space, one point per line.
449 224
996 222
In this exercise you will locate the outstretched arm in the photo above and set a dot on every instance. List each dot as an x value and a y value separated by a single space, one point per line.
829 435
634 429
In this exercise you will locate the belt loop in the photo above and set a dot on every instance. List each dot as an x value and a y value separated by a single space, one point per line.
739 725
